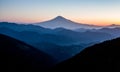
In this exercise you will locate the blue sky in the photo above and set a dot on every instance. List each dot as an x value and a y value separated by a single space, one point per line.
100 12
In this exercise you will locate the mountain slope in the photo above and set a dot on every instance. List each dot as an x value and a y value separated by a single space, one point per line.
22 57
103 57
60 21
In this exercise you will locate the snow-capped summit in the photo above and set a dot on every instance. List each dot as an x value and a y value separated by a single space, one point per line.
59 18
61 22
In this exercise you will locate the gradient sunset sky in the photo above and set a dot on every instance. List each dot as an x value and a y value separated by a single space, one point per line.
99 12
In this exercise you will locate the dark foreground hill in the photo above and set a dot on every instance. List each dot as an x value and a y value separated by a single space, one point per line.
103 57
18 56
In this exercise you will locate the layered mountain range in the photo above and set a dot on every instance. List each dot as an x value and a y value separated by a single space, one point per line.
40 46
61 43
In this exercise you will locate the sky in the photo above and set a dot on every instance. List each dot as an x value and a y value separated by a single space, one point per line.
98 12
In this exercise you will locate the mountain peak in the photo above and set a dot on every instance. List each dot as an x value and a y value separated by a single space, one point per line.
59 18
62 22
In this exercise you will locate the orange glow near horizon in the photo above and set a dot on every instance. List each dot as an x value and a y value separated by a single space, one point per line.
100 22
96 12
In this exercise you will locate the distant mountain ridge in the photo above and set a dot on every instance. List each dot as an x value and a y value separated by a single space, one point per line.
113 26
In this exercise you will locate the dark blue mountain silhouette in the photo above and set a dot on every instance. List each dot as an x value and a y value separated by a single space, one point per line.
103 57
23 27
23 57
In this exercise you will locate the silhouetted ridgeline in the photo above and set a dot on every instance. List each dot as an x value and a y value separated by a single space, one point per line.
60 43
18 56
103 57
